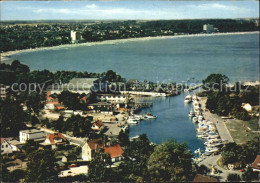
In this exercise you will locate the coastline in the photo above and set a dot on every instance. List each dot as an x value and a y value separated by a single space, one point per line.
9 53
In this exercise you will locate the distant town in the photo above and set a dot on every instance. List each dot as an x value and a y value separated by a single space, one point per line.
18 35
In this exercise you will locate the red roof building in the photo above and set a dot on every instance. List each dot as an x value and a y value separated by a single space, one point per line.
55 139
256 164
115 151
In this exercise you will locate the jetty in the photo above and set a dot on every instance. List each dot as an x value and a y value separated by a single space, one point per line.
193 87
153 94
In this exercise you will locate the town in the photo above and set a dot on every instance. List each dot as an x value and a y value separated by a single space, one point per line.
19 35
78 123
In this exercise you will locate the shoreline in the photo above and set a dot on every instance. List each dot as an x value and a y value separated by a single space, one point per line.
5 55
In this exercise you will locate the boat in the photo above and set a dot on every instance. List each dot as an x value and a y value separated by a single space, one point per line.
191 113
187 99
150 116
214 144
195 119
194 98
197 151
132 121
211 150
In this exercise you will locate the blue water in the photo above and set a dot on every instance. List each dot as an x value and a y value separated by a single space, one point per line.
172 122
176 59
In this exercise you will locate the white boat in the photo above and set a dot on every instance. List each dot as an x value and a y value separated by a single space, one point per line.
214 144
150 116
132 121
197 151
188 99
195 119
191 113
195 98
213 136
211 150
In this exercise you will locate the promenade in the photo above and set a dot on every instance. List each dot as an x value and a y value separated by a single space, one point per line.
218 121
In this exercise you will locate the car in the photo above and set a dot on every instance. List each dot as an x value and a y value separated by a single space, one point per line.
72 165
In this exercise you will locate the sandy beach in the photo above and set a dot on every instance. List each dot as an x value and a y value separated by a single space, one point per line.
4 55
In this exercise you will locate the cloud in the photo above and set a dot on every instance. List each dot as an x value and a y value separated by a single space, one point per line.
91 6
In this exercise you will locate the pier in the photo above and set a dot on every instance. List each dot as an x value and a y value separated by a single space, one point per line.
153 94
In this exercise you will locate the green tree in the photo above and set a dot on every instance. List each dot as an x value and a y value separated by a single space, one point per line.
249 175
215 81
33 103
99 167
137 153
16 175
70 100
40 167
123 138
170 161
12 118
233 177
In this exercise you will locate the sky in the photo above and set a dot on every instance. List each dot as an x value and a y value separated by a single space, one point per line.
92 10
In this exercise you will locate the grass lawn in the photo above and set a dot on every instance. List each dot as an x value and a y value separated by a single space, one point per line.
240 130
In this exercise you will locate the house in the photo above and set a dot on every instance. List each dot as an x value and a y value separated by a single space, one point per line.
204 178
115 151
97 126
55 139
5 147
86 86
247 107
90 147
114 97
102 107
256 164
16 145
32 134
233 166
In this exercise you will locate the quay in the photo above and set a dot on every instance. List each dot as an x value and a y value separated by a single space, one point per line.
143 104
193 87
218 121
153 94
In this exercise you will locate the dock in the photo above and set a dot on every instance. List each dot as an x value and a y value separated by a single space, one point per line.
153 94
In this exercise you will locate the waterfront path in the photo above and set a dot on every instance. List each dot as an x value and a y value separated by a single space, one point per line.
218 121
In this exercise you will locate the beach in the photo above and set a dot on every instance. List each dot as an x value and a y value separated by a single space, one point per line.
4 55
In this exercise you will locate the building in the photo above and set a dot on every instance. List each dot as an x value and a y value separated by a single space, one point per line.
5 147
115 97
90 147
256 164
32 134
87 86
3 91
115 152
97 126
208 28
16 145
102 107
75 36
247 107
56 140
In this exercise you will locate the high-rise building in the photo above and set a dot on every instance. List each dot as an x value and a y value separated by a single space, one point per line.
75 36
208 28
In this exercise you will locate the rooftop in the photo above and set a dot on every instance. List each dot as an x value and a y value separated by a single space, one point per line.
31 131
114 151
204 178
256 163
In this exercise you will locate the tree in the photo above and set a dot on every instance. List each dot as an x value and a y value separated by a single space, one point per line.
233 177
137 153
99 167
70 100
170 161
16 175
12 117
249 175
40 167
33 103
123 138
215 81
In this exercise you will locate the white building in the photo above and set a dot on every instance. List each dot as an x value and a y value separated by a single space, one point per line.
89 148
5 147
247 107
32 134
112 97
75 36
208 28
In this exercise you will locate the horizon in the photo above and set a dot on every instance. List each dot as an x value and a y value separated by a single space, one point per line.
123 10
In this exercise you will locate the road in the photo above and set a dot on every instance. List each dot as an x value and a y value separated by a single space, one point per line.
218 121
